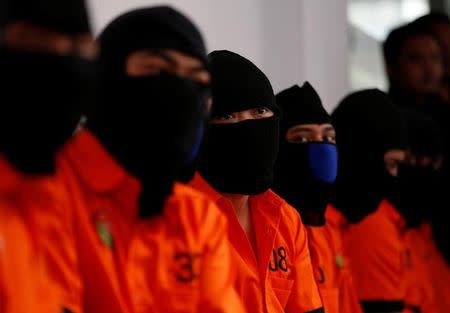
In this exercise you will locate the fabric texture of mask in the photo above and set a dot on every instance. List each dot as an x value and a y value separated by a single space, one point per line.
304 172
238 158
367 126
48 91
154 147
417 194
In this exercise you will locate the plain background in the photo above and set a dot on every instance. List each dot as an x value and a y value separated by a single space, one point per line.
290 40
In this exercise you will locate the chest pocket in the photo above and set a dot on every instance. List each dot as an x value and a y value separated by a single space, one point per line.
282 288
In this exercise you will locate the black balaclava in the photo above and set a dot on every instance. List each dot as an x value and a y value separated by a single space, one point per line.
152 124
367 125
238 158
304 172
46 91
417 196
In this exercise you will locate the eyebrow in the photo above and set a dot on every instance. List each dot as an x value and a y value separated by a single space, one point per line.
169 59
198 68
301 128
329 128
164 56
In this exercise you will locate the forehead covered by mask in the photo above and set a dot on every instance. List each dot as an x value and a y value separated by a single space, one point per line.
238 84
301 105
238 158
149 28
369 118
304 172
367 126
46 90
151 146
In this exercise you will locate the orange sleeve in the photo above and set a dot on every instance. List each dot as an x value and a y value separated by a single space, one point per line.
377 254
23 284
348 299
439 274
305 294
219 272
3 269
53 228
322 250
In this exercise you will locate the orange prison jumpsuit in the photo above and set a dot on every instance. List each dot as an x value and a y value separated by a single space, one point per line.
331 269
176 262
338 225
24 285
323 259
436 268
278 276
420 292
378 253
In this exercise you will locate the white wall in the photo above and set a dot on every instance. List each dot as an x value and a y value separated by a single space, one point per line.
290 40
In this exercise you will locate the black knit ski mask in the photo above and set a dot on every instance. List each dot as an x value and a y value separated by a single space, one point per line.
304 172
417 195
48 91
367 126
154 146
238 158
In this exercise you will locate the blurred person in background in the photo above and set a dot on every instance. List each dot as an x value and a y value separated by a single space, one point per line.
47 58
305 171
418 199
439 25
415 68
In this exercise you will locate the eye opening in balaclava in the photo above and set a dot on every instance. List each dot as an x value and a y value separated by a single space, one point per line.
49 90
153 148
238 158
368 124
304 172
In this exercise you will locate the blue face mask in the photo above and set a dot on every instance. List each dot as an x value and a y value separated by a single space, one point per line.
322 160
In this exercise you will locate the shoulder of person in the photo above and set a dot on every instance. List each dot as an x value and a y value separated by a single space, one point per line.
193 209
287 211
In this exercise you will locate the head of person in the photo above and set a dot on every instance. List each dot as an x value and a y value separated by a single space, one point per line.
413 60
306 166
238 154
152 60
47 65
439 25
417 195
371 140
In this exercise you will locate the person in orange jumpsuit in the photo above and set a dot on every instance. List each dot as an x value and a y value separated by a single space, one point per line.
371 138
24 283
235 169
305 170
46 54
145 242
417 199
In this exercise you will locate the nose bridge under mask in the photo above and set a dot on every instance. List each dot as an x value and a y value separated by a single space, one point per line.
239 157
